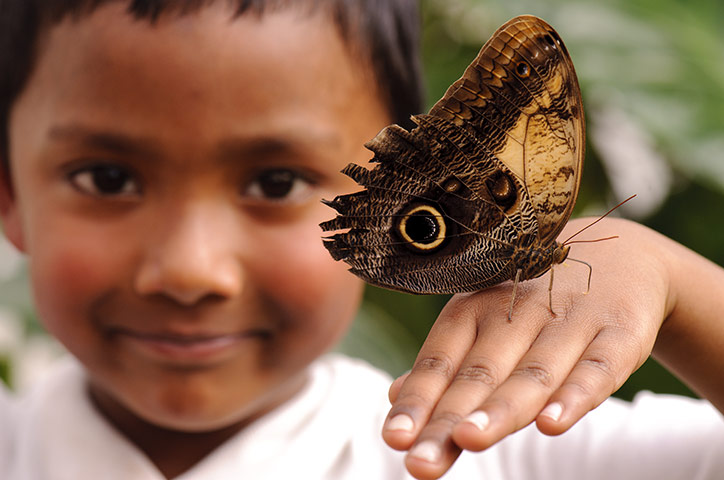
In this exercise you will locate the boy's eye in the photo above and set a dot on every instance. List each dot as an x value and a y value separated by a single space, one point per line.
104 180
278 184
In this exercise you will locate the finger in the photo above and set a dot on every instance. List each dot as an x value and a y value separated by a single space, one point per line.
448 342
432 459
497 350
519 399
601 370
396 386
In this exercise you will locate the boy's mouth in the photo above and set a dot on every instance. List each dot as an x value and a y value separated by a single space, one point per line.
185 349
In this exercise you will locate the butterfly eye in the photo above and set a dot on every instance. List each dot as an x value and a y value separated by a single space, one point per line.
522 69
502 190
423 228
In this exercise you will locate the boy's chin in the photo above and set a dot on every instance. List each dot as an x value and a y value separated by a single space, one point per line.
192 410
197 420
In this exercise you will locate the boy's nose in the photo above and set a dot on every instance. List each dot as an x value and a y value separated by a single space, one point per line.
188 259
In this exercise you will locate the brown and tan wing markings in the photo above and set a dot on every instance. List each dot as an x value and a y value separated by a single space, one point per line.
475 176
549 159
556 139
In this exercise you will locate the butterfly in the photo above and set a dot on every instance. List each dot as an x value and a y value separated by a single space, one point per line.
479 190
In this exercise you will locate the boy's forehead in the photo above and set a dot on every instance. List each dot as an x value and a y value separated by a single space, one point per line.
110 37
282 42
345 19
158 12
251 84
278 31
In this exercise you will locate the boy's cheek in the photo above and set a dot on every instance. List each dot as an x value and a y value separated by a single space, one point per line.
67 279
315 290
306 273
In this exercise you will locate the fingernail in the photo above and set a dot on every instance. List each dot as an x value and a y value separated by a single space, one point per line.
553 411
401 422
428 451
480 419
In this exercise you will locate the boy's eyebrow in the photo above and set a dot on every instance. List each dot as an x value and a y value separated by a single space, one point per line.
272 144
231 148
106 140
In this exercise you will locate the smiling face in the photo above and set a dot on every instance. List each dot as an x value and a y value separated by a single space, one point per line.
166 182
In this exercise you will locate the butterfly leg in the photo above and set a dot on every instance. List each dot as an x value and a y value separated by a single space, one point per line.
590 271
512 298
550 293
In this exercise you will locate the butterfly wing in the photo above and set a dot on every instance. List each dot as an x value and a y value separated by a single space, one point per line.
493 167
521 96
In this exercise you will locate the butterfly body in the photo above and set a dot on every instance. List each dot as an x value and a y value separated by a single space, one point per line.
478 191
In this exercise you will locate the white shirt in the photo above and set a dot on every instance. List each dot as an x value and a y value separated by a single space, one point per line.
331 430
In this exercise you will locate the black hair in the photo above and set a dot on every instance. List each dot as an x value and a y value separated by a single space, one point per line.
384 31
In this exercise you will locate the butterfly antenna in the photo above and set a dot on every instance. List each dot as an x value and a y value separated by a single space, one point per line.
590 241
566 242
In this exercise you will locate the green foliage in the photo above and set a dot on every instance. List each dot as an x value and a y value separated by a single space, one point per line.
5 370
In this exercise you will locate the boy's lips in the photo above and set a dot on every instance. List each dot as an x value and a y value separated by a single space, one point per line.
187 349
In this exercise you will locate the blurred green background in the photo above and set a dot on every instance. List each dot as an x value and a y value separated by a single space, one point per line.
652 75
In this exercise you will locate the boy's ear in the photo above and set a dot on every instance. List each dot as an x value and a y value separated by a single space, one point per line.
9 216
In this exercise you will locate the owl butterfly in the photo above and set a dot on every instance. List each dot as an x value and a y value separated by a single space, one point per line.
477 193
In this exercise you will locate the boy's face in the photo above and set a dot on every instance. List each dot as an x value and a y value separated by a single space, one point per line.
166 183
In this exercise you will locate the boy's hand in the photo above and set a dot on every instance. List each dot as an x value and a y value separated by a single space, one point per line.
479 377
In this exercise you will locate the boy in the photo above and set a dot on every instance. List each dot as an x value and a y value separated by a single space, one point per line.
163 166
